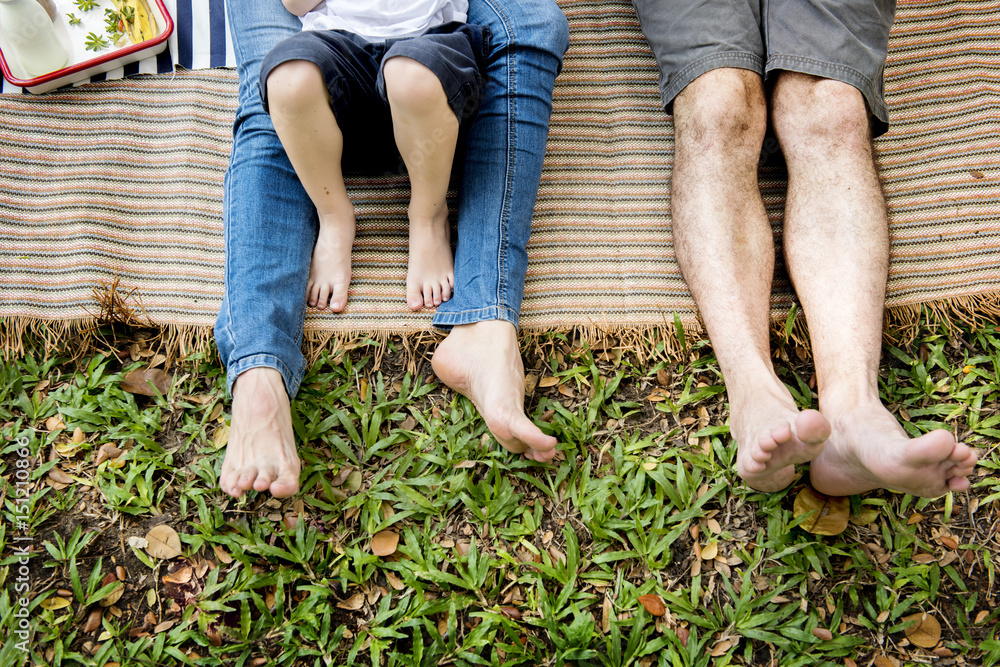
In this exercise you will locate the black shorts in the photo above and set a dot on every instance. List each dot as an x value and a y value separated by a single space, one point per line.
352 69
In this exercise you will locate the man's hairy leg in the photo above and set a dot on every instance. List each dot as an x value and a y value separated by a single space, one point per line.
482 361
836 242
725 250
261 452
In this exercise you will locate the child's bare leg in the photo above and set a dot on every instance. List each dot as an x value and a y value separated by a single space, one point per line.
426 131
299 104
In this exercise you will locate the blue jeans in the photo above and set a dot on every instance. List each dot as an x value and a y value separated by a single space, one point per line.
270 223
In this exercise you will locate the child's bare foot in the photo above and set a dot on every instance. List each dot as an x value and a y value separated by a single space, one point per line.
869 450
330 271
431 273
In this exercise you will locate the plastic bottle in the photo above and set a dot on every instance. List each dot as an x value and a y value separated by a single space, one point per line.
32 37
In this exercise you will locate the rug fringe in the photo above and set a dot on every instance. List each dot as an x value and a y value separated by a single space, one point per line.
179 342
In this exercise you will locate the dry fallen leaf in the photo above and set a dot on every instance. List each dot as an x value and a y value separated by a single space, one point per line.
139 381
221 437
385 542
54 603
549 381
823 634
925 632
78 436
885 661
511 613
606 615
163 542
54 423
830 513
93 620
710 551
394 581
58 475
653 604
181 576
352 603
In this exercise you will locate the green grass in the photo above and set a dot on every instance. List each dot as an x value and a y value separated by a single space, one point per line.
500 561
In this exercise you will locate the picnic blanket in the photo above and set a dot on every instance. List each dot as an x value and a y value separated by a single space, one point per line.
119 182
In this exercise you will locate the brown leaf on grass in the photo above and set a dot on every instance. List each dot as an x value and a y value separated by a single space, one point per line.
549 381
93 620
78 436
394 581
511 613
181 576
925 631
352 603
653 604
710 551
830 513
139 381
164 626
885 661
163 542
823 634
60 476
722 646
606 613
107 452
663 377
949 542
385 542
54 423
222 555
408 424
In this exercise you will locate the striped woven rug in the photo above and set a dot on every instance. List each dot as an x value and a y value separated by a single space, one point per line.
123 180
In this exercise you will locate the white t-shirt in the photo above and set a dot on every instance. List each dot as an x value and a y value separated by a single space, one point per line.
375 20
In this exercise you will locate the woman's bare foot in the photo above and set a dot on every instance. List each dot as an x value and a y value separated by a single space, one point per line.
773 437
330 271
869 450
482 362
430 275
261 452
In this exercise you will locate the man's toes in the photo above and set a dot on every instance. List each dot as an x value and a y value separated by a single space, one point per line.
247 477
446 289
323 298
286 485
780 433
264 478
312 294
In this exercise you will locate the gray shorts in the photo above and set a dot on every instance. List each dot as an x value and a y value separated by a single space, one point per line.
844 40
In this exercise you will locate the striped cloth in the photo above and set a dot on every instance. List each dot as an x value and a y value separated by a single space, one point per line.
200 39
123 179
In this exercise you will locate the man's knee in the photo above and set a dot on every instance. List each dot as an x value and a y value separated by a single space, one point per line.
293 86
812 111
721 110
540 26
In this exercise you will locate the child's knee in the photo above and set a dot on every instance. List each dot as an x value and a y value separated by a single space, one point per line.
412 85
294 85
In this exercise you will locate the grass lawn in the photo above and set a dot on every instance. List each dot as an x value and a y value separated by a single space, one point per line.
417 540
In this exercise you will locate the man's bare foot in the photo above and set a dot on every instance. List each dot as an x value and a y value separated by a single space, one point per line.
430 275
261 451
869 450
330 271
482 362
773 436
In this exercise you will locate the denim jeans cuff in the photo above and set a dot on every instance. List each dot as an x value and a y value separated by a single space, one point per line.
448 320
263 361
